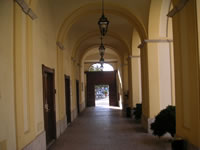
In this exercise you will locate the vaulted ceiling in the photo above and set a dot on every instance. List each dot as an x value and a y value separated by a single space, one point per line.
82 32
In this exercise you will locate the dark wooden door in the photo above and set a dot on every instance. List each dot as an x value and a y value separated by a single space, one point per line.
49 104
77 96
67 99
113 101
101 78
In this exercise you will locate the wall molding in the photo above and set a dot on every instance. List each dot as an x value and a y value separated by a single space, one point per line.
134 56
177 8
26 9
39 143
154 41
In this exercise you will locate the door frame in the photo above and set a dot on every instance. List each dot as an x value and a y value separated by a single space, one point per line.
66 77
46 69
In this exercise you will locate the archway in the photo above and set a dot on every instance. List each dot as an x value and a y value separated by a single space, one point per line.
101 78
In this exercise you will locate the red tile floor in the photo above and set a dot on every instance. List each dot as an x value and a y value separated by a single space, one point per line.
104 128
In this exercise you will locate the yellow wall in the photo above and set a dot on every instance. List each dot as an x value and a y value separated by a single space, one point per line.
7 114
44 52
187 73
136 69
36 39
125 77
23 76
152 53
160 84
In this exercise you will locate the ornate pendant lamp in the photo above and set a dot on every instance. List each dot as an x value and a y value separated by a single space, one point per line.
103 22
101 61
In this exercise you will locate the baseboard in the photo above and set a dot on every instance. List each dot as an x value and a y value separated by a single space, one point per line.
39 143
82 106
61 125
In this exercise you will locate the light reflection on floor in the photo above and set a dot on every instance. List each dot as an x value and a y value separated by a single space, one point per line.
104 103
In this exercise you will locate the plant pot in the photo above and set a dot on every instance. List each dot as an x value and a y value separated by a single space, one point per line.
178 144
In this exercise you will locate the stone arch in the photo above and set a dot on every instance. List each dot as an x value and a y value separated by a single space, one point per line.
87 9
82 57
76 52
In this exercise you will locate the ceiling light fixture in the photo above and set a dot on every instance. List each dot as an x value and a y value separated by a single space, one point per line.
103 22
101 62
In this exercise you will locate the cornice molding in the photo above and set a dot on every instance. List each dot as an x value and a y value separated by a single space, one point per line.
130 57
26 9
154 41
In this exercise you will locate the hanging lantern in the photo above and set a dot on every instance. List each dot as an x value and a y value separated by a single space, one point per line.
103 22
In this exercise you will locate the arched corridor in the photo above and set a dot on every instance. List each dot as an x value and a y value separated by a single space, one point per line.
48 87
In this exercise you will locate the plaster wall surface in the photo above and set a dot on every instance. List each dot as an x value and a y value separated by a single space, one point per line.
136 69
44 52
185 31
165 75
7 114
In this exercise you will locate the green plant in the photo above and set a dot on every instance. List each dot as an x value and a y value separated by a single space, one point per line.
165 122
138 111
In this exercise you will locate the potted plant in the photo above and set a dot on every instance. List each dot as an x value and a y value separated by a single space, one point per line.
165 122
128 112
138 111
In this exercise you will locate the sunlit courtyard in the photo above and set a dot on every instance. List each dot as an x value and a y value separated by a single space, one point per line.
104 103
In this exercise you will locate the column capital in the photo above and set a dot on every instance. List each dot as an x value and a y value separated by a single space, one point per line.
26 9
165 40
130 57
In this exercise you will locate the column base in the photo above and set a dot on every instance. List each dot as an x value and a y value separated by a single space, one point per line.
82 106
74 114
61 125
146 123
39 143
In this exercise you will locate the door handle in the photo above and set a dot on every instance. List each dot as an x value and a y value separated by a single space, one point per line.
46 107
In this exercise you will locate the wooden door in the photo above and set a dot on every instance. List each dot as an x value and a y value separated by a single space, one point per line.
101 78
67 99
113 101
49 104
90 95
77 96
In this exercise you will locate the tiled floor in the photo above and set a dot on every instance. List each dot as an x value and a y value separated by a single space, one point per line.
101 128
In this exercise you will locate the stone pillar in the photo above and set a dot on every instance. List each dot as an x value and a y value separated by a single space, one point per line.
135 80
186 58
153 82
